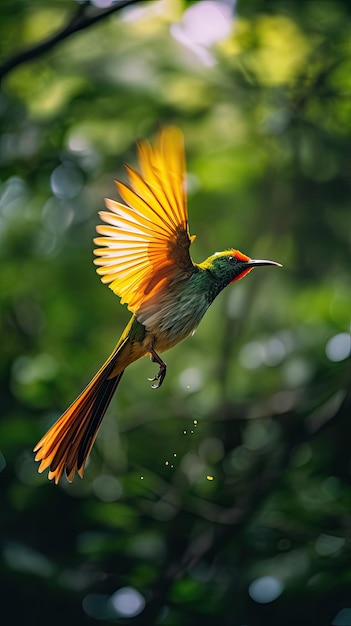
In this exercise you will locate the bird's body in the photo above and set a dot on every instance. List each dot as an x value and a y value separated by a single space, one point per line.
179 309
144 255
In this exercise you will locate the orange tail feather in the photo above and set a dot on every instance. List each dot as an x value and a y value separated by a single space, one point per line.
67 444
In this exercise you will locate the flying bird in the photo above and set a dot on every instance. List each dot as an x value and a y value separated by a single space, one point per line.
143 255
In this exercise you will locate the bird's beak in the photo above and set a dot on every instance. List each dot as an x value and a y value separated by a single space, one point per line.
256 262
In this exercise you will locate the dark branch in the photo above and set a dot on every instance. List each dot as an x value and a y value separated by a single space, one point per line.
82 18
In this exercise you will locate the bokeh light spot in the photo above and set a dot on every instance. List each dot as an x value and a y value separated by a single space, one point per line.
128 602
275 351
28 370
204 24
265 589
297 371
107 488
191 379
66 180
23 558
252 355
328 544
338 347
342 618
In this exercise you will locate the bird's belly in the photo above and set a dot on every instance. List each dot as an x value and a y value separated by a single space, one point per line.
172 319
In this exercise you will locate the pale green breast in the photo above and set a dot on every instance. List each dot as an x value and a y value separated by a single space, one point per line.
175 313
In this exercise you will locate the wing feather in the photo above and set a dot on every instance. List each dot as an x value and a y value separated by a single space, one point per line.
144 243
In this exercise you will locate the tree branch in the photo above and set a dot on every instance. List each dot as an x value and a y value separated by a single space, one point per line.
83 17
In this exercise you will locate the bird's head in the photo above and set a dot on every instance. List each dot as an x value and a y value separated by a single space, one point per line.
231 265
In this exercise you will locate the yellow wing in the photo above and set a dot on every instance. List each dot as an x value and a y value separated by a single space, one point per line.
146 241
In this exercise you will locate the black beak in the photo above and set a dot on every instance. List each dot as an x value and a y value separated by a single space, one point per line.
256 262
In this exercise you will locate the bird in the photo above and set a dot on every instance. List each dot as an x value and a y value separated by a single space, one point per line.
143 255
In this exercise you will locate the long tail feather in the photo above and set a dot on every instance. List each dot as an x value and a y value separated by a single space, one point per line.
67 444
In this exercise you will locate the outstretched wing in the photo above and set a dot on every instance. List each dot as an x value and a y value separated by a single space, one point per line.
145 242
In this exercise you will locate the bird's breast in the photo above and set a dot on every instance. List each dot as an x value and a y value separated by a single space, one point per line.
173 315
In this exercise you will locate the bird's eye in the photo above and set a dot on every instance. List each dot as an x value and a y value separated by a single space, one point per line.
233 260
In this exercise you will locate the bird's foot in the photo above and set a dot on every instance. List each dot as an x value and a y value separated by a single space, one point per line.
160 376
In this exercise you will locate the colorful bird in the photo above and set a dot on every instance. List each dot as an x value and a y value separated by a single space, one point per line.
143 254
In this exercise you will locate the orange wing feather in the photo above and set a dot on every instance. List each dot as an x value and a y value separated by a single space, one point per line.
145 242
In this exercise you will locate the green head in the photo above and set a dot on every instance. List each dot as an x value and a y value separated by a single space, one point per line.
230 265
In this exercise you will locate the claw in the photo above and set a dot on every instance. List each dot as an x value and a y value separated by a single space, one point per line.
160 376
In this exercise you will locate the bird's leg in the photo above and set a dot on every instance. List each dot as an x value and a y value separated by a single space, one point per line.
160 376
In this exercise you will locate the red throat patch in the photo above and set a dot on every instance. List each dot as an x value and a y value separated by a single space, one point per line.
243 273
241 257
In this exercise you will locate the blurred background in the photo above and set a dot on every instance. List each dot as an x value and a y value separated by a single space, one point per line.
224 497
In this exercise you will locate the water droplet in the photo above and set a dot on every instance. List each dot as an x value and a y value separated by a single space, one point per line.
166 462
185 432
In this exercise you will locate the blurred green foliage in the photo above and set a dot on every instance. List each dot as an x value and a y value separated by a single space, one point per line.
224 497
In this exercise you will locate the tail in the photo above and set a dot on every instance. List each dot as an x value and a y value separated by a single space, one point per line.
67 444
